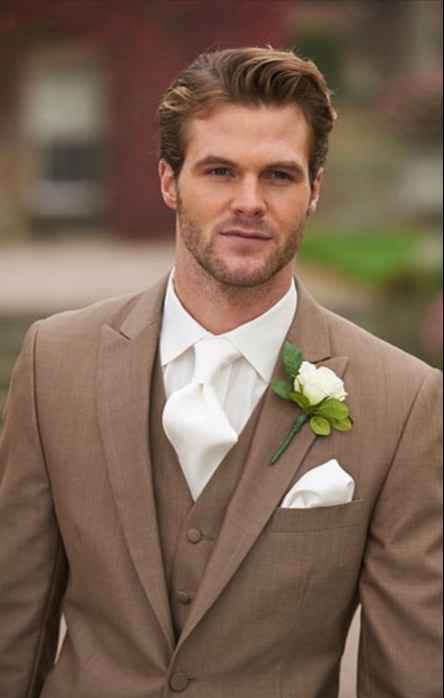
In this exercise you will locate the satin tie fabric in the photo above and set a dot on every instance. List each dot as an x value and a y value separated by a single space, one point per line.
194 419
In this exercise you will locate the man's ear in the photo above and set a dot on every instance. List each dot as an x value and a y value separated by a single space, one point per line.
315 191
168 184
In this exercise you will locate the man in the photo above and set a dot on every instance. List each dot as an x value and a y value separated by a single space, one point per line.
137 495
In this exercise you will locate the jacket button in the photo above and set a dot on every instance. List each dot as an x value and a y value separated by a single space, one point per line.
184 597
194 535
179 682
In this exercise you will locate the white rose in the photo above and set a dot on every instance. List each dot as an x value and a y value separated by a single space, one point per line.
319 383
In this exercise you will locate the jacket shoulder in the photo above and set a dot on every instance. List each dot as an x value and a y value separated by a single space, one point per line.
133 312
91 319
372 352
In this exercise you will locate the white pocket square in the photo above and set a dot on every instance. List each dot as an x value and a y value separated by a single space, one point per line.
325 486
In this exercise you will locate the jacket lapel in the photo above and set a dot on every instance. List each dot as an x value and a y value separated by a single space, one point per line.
127 354
262 487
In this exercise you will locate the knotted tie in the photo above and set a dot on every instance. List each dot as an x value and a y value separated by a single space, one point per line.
194 419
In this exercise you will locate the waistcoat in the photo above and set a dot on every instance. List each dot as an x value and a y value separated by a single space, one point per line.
188 531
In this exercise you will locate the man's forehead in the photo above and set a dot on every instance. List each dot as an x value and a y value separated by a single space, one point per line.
235 127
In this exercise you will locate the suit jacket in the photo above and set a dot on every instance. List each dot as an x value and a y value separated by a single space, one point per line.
79 530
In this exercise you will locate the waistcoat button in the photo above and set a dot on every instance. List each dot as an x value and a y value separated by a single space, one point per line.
179 682
184 597
194 535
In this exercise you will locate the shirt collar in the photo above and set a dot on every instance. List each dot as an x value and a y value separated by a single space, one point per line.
179 330
258 341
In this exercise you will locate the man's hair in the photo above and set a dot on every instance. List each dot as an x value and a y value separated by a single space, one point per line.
251 77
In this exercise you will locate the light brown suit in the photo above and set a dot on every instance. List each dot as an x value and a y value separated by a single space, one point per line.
79 527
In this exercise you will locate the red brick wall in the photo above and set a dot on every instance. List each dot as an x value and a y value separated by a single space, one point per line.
144 43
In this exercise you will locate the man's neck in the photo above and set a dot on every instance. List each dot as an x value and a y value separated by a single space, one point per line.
220 307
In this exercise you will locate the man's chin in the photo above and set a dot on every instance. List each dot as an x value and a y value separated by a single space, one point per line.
241 275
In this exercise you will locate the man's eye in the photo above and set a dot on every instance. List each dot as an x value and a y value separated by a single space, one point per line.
219 172
280 176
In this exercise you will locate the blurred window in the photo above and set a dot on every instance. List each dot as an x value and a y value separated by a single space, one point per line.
64 118
74 161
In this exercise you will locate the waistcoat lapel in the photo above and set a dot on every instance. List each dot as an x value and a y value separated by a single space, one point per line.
123 386
262 487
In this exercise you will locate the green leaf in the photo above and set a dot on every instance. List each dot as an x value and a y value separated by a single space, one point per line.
343 424
300 400
320 426
292 359
333 409
282 389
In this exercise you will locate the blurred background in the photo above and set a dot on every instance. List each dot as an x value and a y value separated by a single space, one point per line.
81 217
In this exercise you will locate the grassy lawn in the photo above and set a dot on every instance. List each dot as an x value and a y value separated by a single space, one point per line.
364 257
374 256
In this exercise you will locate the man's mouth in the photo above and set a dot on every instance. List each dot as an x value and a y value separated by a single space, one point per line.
247 235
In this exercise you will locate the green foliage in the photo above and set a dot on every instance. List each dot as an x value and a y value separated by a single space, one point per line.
375 257
342 424
333 409
333 412
320 426
337 415
292 359
282 389
302 401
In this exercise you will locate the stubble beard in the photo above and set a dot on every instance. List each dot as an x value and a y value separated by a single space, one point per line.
205 254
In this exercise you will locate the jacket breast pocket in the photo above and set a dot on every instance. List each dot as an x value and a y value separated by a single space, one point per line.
318 519
328 533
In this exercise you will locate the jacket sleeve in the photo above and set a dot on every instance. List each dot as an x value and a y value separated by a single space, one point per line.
401 583
32 562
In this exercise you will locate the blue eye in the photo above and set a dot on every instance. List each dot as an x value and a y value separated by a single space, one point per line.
219 172
281 176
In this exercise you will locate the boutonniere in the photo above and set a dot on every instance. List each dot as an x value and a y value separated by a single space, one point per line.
320 394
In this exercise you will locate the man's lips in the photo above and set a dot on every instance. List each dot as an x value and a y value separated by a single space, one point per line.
245 234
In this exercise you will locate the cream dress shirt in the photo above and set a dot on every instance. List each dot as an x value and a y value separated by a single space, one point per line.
258 341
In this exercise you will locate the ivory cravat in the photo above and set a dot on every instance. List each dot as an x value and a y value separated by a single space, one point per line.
194 419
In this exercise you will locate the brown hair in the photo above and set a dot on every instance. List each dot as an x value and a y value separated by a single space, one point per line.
252 77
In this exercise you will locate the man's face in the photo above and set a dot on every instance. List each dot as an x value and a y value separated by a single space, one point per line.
243 194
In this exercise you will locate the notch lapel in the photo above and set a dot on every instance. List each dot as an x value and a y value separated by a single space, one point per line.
262 487
126 360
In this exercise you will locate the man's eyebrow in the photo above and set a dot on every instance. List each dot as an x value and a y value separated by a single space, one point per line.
290 165
213 160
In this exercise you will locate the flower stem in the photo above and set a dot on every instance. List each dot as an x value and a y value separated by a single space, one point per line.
297 426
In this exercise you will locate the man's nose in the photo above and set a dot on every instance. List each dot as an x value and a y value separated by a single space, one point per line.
248 198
